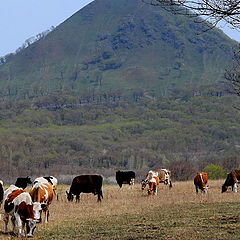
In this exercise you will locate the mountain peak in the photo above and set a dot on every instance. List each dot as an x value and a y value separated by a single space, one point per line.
112 45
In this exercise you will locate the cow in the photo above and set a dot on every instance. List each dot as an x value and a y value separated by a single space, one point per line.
152 182
85 184
42 196
50 179
18 204
231 180
200 182
23 182
125 177
1 192
164 176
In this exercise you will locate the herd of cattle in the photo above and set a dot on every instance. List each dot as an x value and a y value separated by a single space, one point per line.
26 208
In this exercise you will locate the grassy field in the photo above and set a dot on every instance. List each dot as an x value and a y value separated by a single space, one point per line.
130 214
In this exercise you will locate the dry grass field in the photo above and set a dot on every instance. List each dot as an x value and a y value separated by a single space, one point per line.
130 214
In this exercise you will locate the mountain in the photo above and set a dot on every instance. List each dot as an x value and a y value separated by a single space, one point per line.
119 85
118 45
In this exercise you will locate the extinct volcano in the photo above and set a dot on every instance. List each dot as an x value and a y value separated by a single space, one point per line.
118 45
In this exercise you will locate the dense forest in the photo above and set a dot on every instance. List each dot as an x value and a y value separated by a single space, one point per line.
71 134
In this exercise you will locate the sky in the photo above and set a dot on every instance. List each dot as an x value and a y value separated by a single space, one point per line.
22 19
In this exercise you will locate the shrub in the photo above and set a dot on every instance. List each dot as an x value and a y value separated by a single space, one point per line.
215 172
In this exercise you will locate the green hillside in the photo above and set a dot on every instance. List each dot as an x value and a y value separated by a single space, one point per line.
118 45
119 85
58 135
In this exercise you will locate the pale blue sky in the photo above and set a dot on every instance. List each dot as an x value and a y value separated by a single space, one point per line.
22 19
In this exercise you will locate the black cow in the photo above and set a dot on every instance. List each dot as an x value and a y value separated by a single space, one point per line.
231 181
85 184
1 191
23 182
126 177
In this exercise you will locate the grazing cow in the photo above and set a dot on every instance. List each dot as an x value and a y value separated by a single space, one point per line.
23 182
42 196
1 192
152 182
18 204
85 184
164 176
50 179
126 177
200 182
231 180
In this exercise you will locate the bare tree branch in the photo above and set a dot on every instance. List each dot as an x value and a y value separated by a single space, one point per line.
213 11
233 75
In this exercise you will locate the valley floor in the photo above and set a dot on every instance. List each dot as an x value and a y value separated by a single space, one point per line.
130 214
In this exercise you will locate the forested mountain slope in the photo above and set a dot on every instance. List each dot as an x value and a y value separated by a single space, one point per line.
119 85
118 45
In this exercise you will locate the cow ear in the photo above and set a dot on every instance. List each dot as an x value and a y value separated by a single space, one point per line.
67 192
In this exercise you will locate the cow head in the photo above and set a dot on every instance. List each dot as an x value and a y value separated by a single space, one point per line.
144 183
31 225
37 210
205 189
224 188
28 180
69 196
23 182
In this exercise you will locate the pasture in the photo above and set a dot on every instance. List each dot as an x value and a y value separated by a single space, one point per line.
130 214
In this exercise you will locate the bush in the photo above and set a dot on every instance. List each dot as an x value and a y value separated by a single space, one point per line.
215 172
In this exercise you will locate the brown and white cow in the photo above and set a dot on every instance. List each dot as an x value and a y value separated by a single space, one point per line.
18 204
49 179
152 181
42 196
200 182
231 181
164 176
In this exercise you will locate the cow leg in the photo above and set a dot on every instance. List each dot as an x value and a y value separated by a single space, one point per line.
101 194
155 191
20 225
78 198
23 227
196 188
46 216
13 220
132 181
235 187
6 219
99 197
